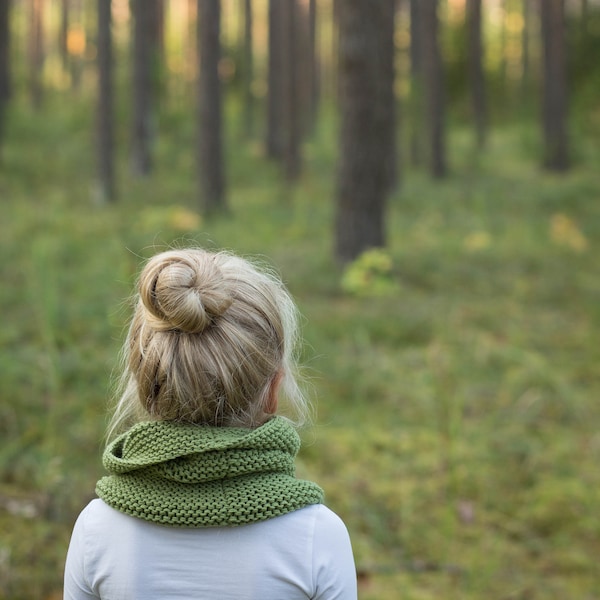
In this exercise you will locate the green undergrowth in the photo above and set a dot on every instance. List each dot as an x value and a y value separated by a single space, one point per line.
457 415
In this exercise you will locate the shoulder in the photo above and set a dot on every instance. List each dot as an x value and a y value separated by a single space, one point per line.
326 522
98 512
98 521
312 518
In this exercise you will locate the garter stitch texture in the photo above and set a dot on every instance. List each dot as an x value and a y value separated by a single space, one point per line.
201 476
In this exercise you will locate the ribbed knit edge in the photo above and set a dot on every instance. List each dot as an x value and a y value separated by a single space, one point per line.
255 475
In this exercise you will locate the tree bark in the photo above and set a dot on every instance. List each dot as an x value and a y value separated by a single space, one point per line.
417 122
36 52
275 100
313 67
554 100
525 51
5 82
4 65
476 73
105 121
141 155
63 33
210 147
248 71
433 83
292 112
157 50
366 107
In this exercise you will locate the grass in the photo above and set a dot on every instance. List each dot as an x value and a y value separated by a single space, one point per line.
457 417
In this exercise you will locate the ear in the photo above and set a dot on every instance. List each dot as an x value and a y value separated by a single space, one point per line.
273 397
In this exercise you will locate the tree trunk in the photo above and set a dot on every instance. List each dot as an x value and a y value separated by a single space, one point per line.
157 50
476 74
554 100
417 121
105 123
313 67
388 98
63 34
248 71
275 101
141 158
585 13
5 83
75 43
525 52
366 107
433 83
36 52
210 148
292 111
4 65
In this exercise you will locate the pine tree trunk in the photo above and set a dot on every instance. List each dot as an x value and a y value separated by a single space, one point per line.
4 65
36 52
141 158
525 52
105 122
5 83
476 74
416 116
313 67
554 101
63 33
433 84
248 71
292 111
157 51
274 137
366 88
210 147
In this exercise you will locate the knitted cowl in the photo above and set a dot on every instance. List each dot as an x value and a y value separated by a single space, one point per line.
202 476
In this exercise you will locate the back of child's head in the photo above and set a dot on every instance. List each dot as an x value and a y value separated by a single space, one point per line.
210 337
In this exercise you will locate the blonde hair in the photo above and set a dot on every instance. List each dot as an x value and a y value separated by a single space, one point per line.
210 336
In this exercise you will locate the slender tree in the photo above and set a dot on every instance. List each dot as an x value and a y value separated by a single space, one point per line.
554 97
433 87
210 146
275 102
292 101
141 136
157 50
36 52
75 42
248 70
366 106
105 120
63 34
525 50
585 13
313 66
416 120
4 63
387 98
5 82
476 72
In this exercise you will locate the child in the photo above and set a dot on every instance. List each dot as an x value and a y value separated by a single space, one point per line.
201 500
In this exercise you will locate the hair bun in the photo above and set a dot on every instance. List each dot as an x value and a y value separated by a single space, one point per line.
183 291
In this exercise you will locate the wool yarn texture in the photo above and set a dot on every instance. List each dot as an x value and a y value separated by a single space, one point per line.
203 476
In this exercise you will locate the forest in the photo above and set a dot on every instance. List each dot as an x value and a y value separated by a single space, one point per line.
424 176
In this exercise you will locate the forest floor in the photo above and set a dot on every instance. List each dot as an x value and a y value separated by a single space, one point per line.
457 425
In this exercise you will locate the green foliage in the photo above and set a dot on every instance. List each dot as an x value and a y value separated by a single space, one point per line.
457 416
371 274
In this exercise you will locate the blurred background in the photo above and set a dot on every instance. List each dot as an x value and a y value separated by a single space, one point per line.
423 174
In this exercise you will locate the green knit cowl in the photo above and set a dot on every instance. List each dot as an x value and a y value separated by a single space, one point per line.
201 476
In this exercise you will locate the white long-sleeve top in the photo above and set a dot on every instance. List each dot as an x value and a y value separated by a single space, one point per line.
299 555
